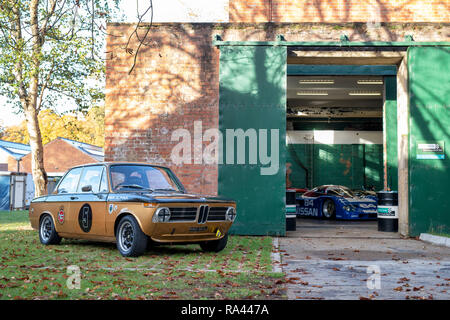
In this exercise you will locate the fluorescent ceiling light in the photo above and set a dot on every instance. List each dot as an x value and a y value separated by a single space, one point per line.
316 81
369 82
312 93
364 93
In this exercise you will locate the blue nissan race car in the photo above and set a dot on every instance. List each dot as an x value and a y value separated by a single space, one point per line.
336 202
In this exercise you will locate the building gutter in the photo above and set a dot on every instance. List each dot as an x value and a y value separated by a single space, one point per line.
344 44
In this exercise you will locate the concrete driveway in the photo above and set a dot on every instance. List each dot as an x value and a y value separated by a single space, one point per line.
352 260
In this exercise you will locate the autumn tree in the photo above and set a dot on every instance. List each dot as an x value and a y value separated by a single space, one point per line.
51 52
85 127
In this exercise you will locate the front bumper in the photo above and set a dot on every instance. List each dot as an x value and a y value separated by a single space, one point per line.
358 215
188 231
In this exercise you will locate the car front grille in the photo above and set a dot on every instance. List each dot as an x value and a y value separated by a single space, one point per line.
183 214
217 213
205 213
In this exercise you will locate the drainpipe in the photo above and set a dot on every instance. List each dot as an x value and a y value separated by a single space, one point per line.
270 10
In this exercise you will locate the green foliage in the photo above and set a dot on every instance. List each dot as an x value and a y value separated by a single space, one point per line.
68 58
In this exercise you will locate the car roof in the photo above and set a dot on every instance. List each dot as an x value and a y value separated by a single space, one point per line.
109 163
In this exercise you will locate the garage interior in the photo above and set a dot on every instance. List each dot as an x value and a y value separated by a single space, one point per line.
340 108
335 131
341 124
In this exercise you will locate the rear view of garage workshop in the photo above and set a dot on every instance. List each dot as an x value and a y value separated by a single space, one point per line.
296 95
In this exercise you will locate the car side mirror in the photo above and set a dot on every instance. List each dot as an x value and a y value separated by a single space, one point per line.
87 188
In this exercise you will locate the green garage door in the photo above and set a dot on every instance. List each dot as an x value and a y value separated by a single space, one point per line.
252 120
429 169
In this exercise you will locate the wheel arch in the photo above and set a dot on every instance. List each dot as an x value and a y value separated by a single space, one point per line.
122 215
43 213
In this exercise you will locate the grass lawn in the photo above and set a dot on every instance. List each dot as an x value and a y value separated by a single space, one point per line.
29 270
441 234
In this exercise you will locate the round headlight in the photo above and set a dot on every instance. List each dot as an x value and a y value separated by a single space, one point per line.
161 215
231 214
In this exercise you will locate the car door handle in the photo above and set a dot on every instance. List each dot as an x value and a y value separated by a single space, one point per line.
73 198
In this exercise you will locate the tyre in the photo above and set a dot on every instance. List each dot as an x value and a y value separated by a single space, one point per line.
130 240
215 245
47 231
329 209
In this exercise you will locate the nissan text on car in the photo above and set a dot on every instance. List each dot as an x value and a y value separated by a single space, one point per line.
131 204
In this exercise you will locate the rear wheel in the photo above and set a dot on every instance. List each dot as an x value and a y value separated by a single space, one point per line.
47 231
131 241
329 209
215 245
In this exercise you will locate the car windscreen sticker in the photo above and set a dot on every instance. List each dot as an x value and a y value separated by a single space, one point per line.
85 217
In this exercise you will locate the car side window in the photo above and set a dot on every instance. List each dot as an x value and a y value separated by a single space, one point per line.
90 177
333 192
104 182
70 181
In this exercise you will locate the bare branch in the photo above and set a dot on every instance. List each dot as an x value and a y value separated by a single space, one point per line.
135 32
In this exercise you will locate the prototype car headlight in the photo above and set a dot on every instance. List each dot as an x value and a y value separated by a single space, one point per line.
231 214
161 215
349 207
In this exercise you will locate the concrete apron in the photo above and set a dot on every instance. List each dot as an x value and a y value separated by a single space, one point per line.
351 260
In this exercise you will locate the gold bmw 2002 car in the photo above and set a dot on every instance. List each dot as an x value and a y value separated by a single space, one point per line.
131 204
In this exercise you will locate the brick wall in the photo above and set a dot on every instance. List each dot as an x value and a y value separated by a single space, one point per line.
176 82
339 11
59 156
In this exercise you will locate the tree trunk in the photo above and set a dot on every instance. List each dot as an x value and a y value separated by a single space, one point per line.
31 109
37 153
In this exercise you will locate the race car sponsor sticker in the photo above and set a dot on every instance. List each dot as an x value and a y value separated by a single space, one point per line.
61 215
388 212
314 212
367 205
112 208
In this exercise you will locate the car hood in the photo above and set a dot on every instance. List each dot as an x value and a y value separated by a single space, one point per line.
361 203
167 197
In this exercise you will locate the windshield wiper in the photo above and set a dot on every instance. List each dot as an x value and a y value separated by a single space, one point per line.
133 186
165 189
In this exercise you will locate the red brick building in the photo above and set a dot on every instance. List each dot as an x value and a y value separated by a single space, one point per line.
62 154
177 78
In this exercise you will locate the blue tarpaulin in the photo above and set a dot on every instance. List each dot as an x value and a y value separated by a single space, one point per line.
5 187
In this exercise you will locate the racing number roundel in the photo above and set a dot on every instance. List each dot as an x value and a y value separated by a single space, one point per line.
61 215
85 217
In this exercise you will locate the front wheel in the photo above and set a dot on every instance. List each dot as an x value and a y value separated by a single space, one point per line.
47 231
214 245
329 209
131 241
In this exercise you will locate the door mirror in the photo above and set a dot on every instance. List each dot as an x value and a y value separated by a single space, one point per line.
87 188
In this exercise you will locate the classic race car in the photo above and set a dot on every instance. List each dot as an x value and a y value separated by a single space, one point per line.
131 204
331 201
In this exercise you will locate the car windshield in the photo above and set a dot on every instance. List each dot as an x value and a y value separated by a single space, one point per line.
342 192
143 178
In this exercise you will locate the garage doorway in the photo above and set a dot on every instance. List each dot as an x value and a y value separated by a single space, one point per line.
341 122
335 137
253 89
